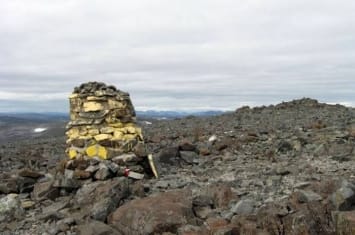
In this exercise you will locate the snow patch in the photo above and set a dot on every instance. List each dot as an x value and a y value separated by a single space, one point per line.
39 129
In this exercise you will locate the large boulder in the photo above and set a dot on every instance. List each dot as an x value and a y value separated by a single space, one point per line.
98 199
162 212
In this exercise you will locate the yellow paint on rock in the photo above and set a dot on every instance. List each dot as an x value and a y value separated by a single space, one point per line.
72 153
116 125
101 137
91 151
92 106
73 133
74 95
107 130
118 135
97 151
93 132
102 152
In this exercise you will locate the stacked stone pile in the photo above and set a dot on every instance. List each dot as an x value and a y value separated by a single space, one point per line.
102 123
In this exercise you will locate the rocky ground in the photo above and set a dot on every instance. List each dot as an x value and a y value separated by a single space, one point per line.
284 169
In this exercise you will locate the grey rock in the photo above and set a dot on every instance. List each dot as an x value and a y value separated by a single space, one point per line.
202 212
25 184
308 196
98 199
223 231
344 198
53 210
187 146
281 170
96 228
68 174
169 156
125 159
103 208
203 200
162 212
63 227
66 183
284 146
189 157
274 180
243 207
112 166
29 173
10 205
44 190
301 185
103 173
9 186
92 168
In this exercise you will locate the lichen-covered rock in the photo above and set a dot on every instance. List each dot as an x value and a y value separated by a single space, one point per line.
101 117
9 203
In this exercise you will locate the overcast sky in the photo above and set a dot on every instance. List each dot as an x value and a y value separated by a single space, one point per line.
177 54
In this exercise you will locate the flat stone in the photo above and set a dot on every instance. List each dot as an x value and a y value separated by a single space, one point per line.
301 185
308 196
82 174
66 183
53 211
92 168
94 115
69 174
112 166
102 137
9 186
243 207
135 175
124 158
80 122
103 173
92 106
94 227
30 173
107 130
44 190
189 157
26 204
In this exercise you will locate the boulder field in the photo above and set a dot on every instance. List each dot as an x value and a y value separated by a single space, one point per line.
279 169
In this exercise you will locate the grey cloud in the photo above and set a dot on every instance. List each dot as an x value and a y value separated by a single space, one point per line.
177 54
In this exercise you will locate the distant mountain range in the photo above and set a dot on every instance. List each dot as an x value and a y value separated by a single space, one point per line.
174 114
52 116
33 117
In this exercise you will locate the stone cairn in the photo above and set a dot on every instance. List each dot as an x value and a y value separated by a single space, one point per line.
102 133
